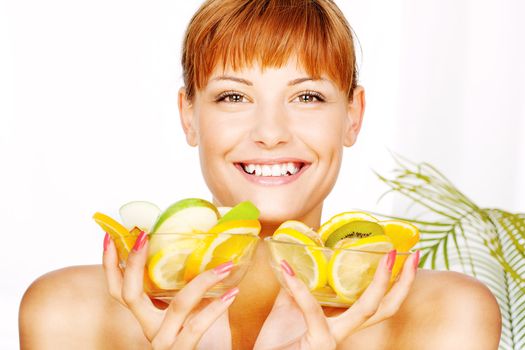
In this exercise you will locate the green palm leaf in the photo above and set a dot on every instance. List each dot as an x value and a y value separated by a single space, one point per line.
456 234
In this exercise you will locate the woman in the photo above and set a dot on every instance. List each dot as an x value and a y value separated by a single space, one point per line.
266 82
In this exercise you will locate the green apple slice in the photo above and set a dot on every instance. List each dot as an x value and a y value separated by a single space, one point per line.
242 211
187 216
139 214
223 210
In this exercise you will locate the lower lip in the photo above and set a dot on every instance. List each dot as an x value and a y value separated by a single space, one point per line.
271 180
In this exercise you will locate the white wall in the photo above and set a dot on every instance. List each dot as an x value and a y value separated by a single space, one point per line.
88 116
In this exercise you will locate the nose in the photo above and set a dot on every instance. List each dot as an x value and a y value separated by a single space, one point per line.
271 127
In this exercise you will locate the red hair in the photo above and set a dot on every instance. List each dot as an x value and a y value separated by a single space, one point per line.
239 32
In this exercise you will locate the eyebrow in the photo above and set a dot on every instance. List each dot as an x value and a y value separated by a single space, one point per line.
249 83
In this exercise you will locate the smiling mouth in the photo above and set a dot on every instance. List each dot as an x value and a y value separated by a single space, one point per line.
282 169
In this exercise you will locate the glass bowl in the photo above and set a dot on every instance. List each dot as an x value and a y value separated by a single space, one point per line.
335 277
174 259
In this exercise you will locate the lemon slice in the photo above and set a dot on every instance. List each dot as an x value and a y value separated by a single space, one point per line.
308 262
352 268
166 268
123 239
339 220
217 249
238 226
403 234
301 228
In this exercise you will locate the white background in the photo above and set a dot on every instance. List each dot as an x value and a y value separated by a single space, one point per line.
88 117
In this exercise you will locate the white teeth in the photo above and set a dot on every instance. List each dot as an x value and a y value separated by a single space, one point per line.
266 170
292 169
282 169
276 170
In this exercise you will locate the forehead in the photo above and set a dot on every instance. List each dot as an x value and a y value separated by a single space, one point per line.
291 73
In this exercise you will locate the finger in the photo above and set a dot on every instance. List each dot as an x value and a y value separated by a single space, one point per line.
186 300
195 327
397 294
112 269
368 303
318 331
133 294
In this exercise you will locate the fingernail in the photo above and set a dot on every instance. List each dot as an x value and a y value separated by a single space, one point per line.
139 243
287 268
416 260
230 294
223 268
391 259
106 241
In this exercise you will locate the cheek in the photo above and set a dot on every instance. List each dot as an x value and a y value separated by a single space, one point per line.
323 132
218 133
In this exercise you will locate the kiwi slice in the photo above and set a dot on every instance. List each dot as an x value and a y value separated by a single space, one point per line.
354 229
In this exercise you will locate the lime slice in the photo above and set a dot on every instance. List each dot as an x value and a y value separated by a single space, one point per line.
352 268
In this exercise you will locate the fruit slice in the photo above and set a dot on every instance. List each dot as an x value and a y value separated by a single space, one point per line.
238 226
217 249
141 214
242 211
223 210
187 216
352 268
291 235
308 262
166 266
120 235
341 219
403 234
301 228
354 229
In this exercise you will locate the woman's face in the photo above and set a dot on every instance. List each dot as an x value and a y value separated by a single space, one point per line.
274 137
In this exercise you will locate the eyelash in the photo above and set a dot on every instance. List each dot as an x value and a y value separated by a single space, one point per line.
226 94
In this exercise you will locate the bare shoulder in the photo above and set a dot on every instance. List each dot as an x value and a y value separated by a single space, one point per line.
70 308
450 310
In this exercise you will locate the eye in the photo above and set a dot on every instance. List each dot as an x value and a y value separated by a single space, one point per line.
230 97
311 96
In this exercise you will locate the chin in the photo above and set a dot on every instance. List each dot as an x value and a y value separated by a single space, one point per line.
275 210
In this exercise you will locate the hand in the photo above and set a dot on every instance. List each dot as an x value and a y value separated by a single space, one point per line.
297 320
184 322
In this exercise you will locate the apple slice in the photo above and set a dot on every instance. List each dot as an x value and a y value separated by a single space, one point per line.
187 216
139 214
242 211
223 210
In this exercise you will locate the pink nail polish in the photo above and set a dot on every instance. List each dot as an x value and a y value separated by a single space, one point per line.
230 294
141 240
223 268
106 241
391 259
416 260
287 268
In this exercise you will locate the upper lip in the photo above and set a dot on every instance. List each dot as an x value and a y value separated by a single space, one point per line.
271 161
